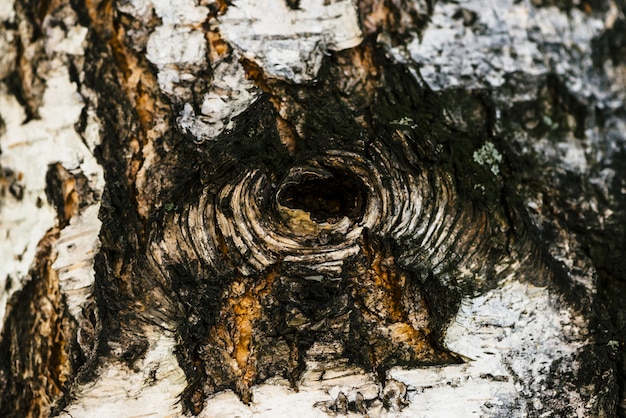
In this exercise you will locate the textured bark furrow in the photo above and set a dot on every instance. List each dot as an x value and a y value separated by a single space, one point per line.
259 230
337 247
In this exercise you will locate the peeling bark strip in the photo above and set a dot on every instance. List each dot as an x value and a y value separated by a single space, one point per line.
312 208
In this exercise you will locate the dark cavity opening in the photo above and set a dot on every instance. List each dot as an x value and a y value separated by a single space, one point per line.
326 199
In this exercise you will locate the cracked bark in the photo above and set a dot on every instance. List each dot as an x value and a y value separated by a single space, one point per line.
385 209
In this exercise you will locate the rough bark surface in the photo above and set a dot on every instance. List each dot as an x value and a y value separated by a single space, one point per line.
256 208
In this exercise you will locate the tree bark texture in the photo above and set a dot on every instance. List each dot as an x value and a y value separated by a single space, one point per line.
280 208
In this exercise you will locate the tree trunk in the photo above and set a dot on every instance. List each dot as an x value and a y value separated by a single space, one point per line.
284 208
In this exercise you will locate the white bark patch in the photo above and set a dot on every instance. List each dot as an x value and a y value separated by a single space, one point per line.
58 41
179 12
512 335
28 149
451 53
122 392
77 246
6 10
179 50
178 47
289 43
136 8
230 94
179 53
7 38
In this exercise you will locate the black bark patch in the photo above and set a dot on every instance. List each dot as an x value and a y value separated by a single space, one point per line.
11 182
325 199
468 17
293 4
69 192
135 352
611 43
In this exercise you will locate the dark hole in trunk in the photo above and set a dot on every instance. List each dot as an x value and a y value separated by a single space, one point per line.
326 199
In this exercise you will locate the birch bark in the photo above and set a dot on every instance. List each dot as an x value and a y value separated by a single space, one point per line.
272 208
